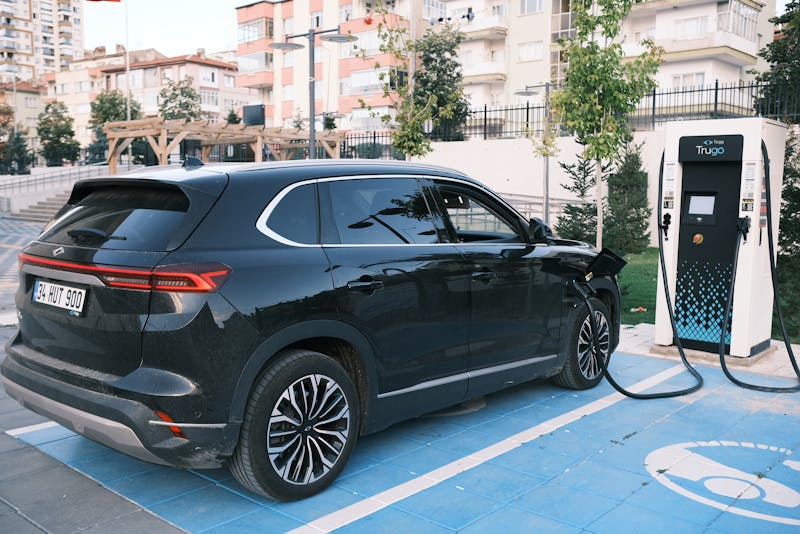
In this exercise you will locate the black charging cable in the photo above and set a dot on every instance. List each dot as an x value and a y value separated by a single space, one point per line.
742 229
586 292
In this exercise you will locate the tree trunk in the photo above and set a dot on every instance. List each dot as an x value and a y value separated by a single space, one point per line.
598 186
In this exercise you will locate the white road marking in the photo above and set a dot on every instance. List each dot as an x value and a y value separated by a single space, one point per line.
373 504
32 428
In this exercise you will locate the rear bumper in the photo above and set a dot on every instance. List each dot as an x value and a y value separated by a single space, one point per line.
126 425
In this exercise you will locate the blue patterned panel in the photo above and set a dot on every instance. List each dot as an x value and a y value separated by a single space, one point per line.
700 297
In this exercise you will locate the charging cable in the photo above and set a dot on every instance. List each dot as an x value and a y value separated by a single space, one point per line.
742 229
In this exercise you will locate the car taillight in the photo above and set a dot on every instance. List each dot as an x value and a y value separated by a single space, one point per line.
192 277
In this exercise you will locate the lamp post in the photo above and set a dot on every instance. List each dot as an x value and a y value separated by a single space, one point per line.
532 90
333 36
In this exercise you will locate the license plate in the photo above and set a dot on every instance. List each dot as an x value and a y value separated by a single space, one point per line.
65 297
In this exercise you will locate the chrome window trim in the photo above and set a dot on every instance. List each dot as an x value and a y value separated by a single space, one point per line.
466 376
62 275
261 222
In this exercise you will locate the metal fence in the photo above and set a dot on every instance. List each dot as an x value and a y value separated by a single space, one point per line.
717 101
60 176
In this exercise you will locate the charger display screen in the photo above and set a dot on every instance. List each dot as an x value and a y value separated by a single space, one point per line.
701 205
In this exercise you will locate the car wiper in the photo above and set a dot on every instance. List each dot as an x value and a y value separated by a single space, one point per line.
92 233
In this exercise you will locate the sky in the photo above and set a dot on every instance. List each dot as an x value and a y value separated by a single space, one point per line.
173 27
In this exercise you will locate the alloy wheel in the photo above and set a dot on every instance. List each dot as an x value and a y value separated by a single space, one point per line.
587 357
308 428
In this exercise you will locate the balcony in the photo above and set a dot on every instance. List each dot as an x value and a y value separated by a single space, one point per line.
487 72
259 80
492 27
8 46
649 7
722 45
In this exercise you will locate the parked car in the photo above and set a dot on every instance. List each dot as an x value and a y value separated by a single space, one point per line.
265 315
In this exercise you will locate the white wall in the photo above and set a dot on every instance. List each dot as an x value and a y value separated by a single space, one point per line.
510 166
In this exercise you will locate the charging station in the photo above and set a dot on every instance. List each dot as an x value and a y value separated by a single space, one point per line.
713 181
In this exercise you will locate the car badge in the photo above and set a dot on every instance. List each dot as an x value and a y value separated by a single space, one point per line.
59 251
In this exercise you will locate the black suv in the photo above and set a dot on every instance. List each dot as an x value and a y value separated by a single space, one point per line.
265 315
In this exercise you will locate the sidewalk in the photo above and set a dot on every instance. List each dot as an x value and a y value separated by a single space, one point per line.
638 339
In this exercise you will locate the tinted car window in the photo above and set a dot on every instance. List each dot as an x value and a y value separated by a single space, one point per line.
475 219
296 215
124 218
375 211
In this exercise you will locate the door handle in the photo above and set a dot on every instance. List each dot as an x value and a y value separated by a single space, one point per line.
365 286
484 276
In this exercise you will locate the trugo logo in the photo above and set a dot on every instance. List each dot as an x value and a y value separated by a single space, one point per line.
707 148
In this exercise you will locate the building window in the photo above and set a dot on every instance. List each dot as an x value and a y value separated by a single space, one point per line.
694 79
692 28
253 30
316 19
739 19
230 81
345 12
288 92
289 59
208 76
531 51
288 26
209 99
257 62
562 21
433 9
369 42
526 7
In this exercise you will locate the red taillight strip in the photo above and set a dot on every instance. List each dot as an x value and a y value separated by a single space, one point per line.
202 278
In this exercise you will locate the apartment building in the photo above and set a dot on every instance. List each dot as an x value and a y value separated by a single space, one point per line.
78 86
27 100
509 44
39 36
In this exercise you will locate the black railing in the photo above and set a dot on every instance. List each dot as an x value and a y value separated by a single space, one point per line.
718 101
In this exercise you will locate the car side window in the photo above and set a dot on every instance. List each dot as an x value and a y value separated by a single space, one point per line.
375 211
296 216
475 219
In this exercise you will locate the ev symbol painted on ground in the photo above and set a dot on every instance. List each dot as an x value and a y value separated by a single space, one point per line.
748 479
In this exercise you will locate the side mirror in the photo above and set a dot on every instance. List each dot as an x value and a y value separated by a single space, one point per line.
539 231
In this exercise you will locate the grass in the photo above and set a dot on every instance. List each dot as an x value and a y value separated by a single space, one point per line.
637 283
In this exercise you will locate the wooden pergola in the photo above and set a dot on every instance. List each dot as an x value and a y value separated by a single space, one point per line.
164 135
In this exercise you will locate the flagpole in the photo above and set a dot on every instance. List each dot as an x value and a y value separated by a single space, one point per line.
128 80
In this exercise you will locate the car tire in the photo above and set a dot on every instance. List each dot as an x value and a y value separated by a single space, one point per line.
582 369
299 427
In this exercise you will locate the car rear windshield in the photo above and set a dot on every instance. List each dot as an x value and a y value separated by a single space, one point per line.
123 218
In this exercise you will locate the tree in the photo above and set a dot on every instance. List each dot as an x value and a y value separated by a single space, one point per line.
6 122
232 117
602 86
579 221
57 135
111 106
628 212
780 82
16 155
789 238
439 80
431 94
179 100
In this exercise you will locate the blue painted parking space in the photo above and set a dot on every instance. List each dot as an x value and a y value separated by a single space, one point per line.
534 457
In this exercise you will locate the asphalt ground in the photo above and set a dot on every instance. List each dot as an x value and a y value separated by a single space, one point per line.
531 458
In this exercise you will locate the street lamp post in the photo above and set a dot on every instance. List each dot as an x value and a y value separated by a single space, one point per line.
531 90
333 36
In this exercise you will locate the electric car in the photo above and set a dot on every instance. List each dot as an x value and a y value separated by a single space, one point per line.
265 315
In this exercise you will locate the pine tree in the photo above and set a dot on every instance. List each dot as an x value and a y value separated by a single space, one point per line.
579 220
628 212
